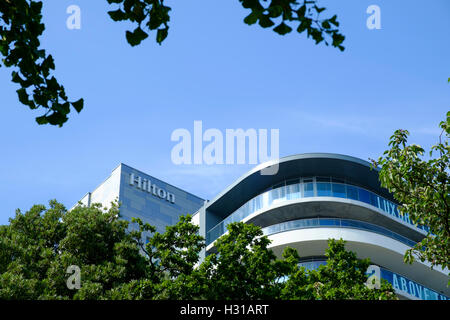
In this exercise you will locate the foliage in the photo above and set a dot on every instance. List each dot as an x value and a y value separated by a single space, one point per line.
243 267
342 277
20 29
21 26
118 262
154 15
423 190
38 247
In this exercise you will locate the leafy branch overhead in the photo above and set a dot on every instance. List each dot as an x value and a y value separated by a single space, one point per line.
422 186
306 14
279 14
150 13
20 29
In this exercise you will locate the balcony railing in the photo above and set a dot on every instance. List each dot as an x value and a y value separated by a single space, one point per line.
335 223
307 189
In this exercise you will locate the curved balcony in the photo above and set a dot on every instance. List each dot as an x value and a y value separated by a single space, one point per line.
403 286
310 187
335 223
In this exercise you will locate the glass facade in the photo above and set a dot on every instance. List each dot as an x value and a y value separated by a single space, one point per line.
400 283
304 188
335 223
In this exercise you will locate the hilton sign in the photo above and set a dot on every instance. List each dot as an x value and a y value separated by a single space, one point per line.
146 185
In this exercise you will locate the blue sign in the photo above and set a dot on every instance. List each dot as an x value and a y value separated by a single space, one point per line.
412 288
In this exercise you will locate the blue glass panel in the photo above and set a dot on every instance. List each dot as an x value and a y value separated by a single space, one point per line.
339 190
373 200
329 222
364 195
293 191
352 192
323 189
276 194
308 189
344 223
258 202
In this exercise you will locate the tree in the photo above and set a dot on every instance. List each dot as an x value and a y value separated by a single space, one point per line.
244 268
342 277
422 187
39 246
21 27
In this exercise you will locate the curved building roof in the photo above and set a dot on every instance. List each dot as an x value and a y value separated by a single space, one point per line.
254 183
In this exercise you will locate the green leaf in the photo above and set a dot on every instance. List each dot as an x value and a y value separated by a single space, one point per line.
326 24
282 29
48 63
301 12
57 118
52 84
134 38
118 15
161 35
275 11
62 108
304 24
252 18
319 10
23 96
42 120
78 105
333 20
265 22
16 78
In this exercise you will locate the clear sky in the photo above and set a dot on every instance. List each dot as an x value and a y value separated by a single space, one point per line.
214 68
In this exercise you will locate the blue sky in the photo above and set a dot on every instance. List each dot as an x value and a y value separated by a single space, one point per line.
216 69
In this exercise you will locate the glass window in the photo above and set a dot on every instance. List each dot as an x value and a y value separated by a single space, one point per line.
251 206
345 223
308 189
265 199
277 194
364 195
352 192
329 222
293 191
339 190
323 189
